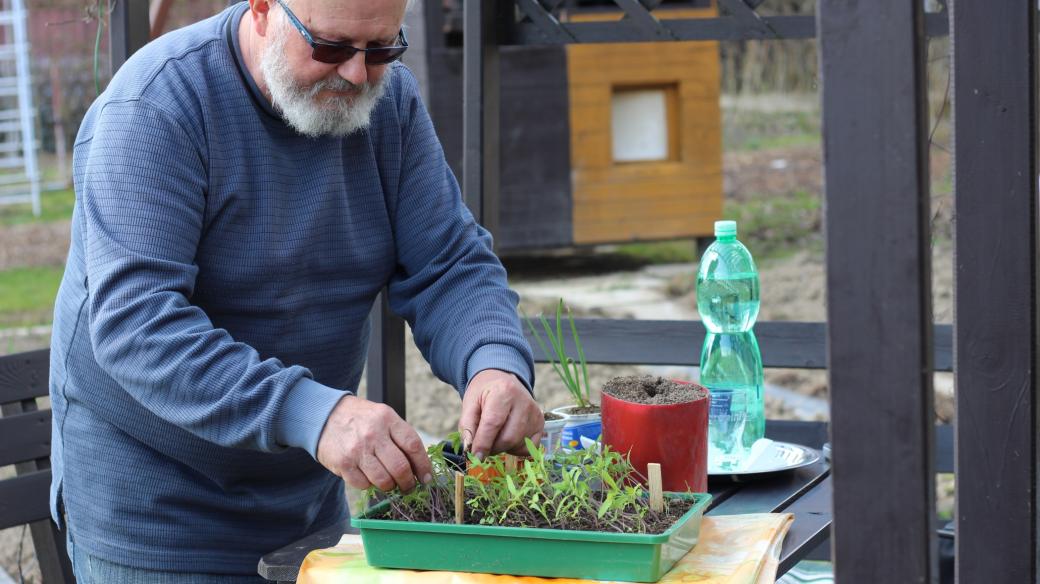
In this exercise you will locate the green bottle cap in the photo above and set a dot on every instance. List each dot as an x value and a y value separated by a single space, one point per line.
725 229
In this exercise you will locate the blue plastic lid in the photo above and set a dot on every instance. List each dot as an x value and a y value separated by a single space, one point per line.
725 229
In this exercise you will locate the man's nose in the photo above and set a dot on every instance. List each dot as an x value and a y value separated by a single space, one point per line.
354 69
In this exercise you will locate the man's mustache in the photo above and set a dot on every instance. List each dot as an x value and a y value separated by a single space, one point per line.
339 84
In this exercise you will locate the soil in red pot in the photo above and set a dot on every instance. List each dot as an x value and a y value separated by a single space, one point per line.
647 389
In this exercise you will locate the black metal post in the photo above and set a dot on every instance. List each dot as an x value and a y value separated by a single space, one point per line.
996 312
129 29
433 16
480 126
384 377
878 289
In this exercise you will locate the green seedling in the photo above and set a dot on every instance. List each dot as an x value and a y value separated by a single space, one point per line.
574 374
584 490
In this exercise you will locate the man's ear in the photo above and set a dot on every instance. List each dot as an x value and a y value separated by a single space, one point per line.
260 11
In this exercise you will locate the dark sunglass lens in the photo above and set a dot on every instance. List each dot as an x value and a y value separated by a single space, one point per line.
384 55
332 55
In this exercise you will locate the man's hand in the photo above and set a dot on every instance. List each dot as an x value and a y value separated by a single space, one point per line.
368 444
498 413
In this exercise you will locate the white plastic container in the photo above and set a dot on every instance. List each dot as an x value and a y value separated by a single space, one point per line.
552 433
589 426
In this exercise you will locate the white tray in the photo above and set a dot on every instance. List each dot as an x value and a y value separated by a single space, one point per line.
771 457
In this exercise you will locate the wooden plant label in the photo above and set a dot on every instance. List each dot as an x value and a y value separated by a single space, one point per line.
653 475
459 497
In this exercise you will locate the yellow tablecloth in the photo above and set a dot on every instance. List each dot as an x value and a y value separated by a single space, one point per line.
733 549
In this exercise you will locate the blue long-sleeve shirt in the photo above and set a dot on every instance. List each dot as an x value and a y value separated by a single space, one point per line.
215 301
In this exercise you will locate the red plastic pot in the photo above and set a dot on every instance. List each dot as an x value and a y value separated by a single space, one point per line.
674 435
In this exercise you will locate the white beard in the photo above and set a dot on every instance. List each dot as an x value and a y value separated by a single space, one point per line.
300 106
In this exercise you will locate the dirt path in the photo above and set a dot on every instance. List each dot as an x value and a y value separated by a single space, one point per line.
34 244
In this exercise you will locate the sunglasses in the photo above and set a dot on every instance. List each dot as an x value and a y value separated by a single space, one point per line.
335 53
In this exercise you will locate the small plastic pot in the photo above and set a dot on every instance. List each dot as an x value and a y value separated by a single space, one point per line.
577 426
552 433
674 435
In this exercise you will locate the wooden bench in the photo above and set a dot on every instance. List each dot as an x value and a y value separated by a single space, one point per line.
25 441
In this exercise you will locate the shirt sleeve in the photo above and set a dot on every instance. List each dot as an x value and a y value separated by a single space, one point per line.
142 195
449 285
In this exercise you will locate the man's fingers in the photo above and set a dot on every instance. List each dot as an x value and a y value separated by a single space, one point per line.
407 439
521 448
469 419
512 432
355 478
491 421
396 463
375 473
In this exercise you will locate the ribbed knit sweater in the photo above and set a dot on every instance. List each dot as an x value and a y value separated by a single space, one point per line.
215 303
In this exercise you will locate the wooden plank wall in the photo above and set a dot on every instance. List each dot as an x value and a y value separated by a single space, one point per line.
534 142
996 312
535 207
878 289
680 197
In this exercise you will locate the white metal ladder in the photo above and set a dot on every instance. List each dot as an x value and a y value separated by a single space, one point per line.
19 173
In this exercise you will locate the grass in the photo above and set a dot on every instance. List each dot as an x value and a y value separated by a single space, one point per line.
778 226
27 295
678 251
54 206
773 226
777 142
754 130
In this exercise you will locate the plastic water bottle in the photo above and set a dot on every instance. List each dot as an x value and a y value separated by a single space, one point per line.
727 283
731 363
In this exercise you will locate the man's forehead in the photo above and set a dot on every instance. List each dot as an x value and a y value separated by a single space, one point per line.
352 20
351 11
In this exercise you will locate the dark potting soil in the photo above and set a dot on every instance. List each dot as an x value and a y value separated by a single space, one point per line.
648 389
549 417
653 523
583 410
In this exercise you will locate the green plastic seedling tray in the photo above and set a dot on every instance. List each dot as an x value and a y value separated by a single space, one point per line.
522 551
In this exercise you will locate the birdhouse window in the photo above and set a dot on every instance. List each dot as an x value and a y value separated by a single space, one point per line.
643 124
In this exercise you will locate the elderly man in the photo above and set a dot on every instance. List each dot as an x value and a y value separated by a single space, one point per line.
244 188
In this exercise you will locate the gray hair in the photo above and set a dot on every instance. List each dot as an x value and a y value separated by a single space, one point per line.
407 7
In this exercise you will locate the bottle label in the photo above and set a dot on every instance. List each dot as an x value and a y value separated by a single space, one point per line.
572 434
720 405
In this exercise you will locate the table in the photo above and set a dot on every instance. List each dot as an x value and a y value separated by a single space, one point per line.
805 492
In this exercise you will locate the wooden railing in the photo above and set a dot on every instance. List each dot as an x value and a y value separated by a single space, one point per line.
790 345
